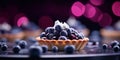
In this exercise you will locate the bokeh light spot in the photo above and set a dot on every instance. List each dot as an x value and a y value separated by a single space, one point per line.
90 11
97 2
97 16
78 9
106 20
116 8
22 21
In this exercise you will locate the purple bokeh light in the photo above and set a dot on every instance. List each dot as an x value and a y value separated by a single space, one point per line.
90 11
106 20
97 2
97 16
45 21
78 9
116 8
22 21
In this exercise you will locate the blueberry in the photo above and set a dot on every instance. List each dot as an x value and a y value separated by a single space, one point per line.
17 41
69 49
44 48
58 28
35 51
42 35
50 36
22 44
4 47
3 40
63 33
113 43
105 46
80 36
116 48
0 45
54 49
49 30
32 40
62 38
16 49
69 31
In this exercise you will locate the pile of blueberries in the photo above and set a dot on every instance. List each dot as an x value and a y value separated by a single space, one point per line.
60 32
115 45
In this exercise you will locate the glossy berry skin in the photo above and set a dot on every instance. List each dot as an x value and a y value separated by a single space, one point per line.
105 46
44 48
54 49
69 49
49 30
42 35
113 43
62 38
80 36
35 51
63 33
58 28
4 47
50 36
16 49
116 48
22 44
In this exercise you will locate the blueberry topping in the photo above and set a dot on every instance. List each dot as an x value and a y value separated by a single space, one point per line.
54 49
22 44
58 28
42 35
69 49
44 48
63 33
116 48
105 46
35 51
49 30
80 36
62 38
16 49
50 36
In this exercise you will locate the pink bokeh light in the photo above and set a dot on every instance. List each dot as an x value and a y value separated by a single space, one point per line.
22 21
45 21
78 9
97 16
97 2
106 20
90 11
116 8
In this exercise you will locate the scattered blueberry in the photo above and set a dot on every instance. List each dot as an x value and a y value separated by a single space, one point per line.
4 47
113 43
63 33
3 40
16 49
69 49
62 38
32 40
105 46
22 44
44 48
54 49
17 41
116 48
35 51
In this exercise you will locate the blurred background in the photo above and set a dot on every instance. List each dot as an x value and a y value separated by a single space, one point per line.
97 19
